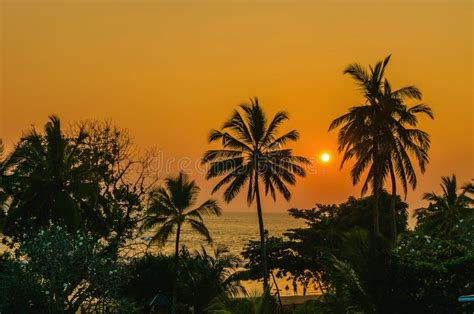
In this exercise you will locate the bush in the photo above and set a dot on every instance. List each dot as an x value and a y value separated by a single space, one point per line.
202 278
431 273
148 275
20 292
63 272
265 304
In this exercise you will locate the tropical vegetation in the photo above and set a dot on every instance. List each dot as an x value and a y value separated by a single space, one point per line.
85 223
170 209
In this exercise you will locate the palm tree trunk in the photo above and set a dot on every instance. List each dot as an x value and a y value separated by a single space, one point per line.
176 264
376 190
375 207
377 274
393 212
278 292
262 236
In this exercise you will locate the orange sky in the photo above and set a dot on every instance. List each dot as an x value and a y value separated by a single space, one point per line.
169 71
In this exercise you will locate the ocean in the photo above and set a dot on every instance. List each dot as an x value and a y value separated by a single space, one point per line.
234 230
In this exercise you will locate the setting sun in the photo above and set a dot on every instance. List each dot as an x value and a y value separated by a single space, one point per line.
325 157
181 153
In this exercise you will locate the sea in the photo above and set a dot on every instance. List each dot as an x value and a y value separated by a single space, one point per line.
233 230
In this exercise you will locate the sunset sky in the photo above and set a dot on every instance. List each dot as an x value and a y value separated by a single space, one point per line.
169 71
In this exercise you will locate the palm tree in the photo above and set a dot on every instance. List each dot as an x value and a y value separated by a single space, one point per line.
222 265
404 141
253 153
170 208
211 275
447 210
381 135
43 180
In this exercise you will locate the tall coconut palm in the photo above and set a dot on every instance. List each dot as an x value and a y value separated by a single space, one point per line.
43 180
171 207
252 153
447 210
405 142
380 135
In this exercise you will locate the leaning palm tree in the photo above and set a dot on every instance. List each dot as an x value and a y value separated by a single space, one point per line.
448 210
253 153
381 135
170 208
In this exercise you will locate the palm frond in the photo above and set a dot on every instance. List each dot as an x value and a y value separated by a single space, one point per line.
236 185
357 72
224 166
284 139
408 92
209 207
163 233
200 228
422 108
279 118
229 177
212 155
237 124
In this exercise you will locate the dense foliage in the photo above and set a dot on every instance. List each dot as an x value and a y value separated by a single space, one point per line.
338 255
448 215
301 258
170 208
85 177
430 273
204 277
61 272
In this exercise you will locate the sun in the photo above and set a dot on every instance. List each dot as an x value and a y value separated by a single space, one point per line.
325 157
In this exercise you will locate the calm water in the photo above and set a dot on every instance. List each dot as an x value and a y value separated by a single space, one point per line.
233 230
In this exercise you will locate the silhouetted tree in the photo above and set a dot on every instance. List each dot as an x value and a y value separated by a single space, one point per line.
447 213
209 275
170 208
125 178
204 277
380 136
421 264
252 152
43 181
335 248
85 177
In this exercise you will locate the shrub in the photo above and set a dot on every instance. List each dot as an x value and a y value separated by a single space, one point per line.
67 271
431 273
